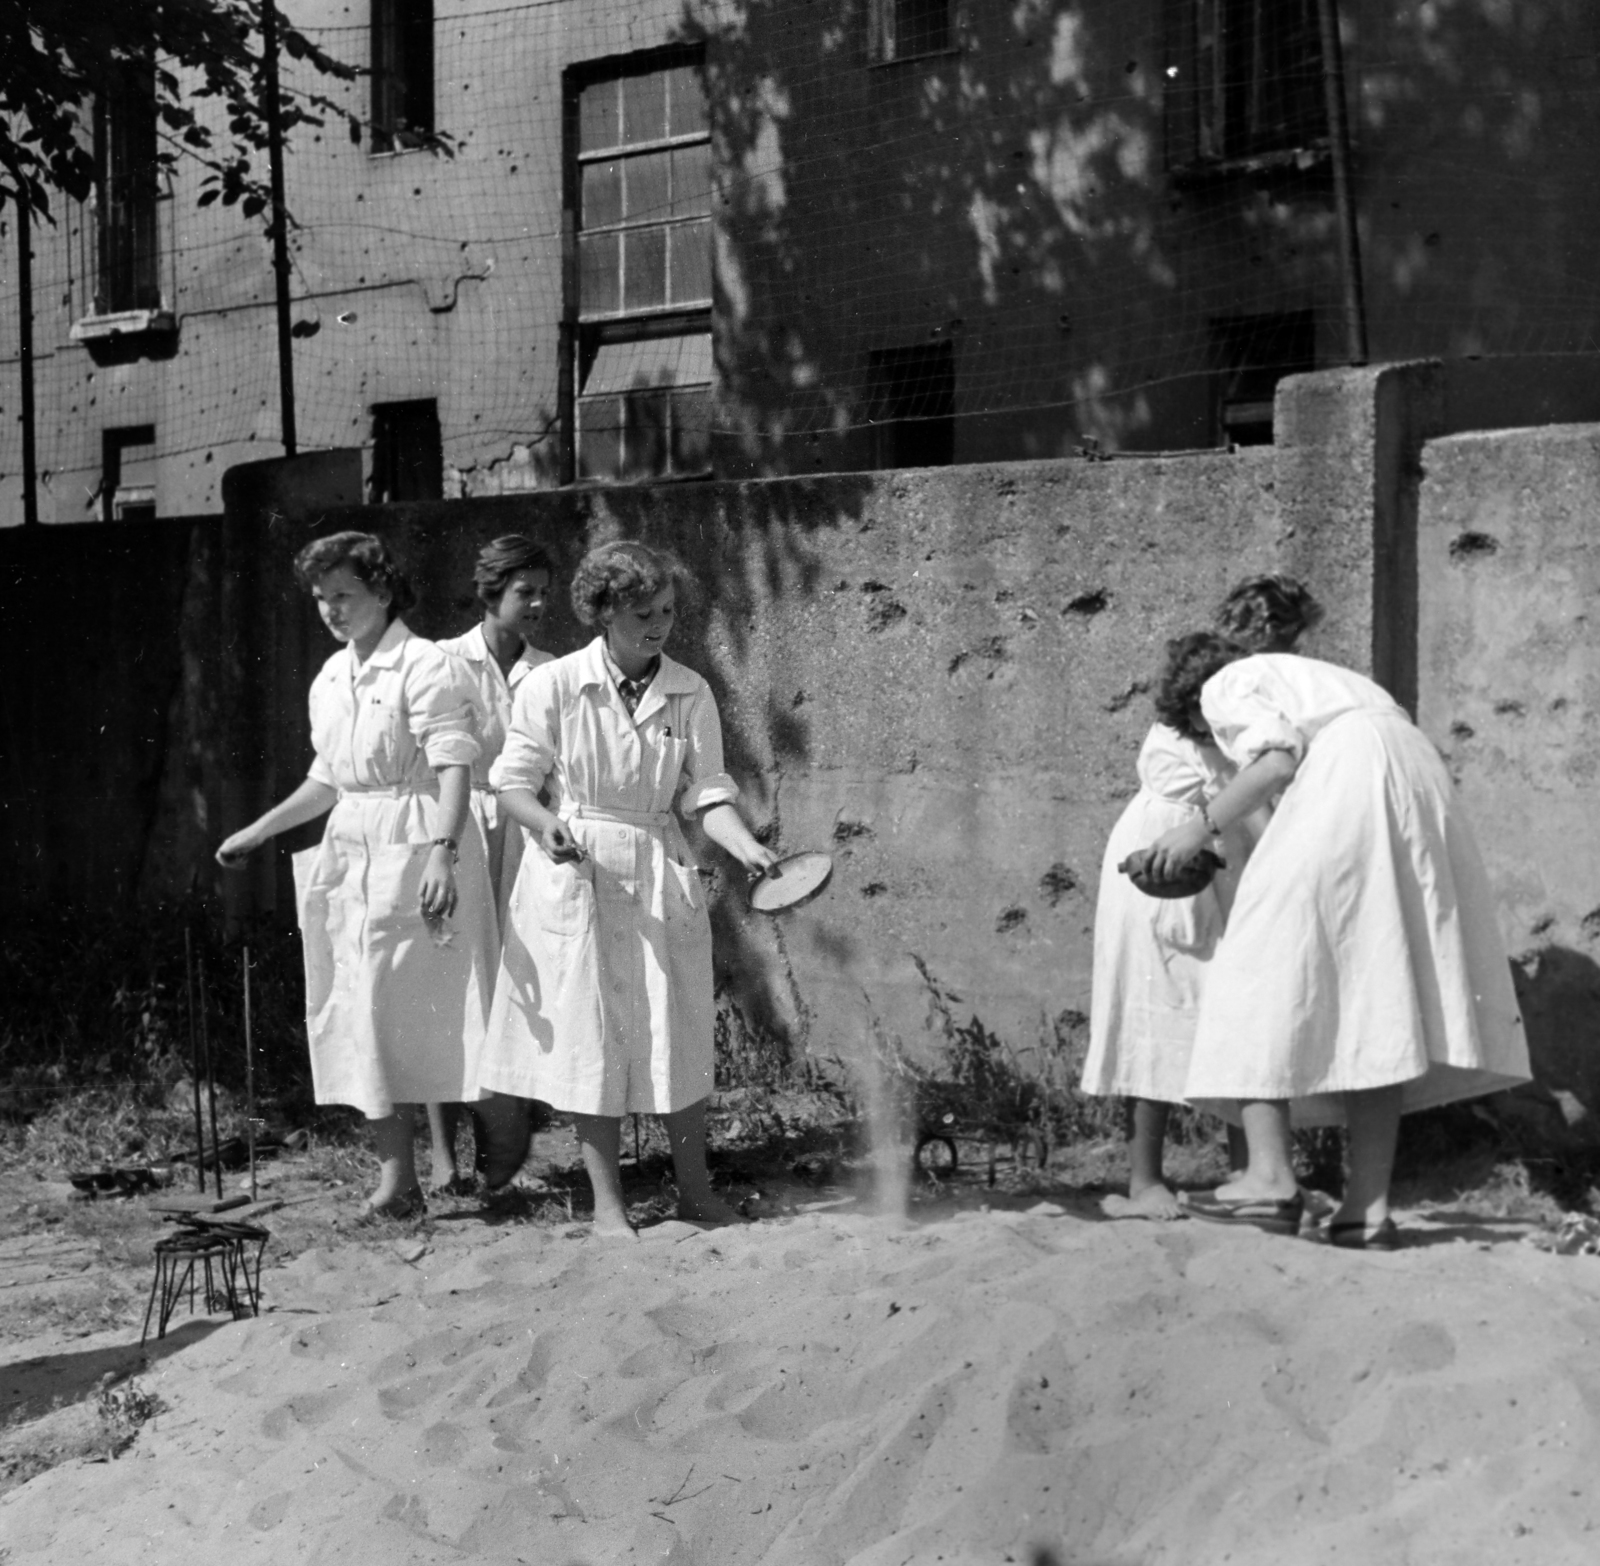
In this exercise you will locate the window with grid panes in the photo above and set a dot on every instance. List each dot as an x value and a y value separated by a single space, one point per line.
402 74
127 190
1243 79
905 29
644 370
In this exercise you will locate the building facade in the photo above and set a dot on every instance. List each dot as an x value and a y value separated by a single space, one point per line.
560 242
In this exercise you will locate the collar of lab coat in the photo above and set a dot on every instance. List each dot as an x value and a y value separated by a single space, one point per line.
386 655
672 679
475 649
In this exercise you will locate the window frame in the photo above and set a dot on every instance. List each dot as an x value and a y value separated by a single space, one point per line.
585 334
113 111
883 29
396 27
1204 131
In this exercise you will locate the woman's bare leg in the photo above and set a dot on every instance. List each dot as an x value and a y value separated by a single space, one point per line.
1269 1175
444 1120
1149 1195
600 1138
394 1136
1373 1118
686 1134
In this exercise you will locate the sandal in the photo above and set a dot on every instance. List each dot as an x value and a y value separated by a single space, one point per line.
1359 1236
1273 1215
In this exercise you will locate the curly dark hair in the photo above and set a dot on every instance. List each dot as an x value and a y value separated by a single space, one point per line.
612 575
1268 613
1191 661
500 560
368 558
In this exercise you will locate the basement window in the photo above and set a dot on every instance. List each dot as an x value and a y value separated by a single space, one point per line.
911 402
128 474
407 452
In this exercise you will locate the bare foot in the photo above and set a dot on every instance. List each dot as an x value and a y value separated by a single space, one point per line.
406 1203
614 1226
1244 1189
708 1209
1154 1201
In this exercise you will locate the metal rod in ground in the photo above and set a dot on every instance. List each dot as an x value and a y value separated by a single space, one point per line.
211 1080
249 1079
194 1064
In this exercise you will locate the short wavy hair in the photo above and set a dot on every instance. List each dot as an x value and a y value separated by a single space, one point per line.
369 559
1191 661
501 559
1268 613
620 573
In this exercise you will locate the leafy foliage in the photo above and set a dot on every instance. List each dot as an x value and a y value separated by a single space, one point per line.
56 59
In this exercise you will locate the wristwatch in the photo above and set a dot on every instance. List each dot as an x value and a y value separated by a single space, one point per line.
450 843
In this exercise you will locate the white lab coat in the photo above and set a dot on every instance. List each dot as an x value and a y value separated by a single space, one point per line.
395 1010
1150 953
1362 949
505 839
603 1002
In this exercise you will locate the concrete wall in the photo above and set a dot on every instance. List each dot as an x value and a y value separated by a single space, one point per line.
1510 574
939 676
1010 197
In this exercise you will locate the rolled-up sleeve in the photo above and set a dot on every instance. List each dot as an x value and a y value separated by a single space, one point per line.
703 780
530 748
1245 719
1168 766
442 709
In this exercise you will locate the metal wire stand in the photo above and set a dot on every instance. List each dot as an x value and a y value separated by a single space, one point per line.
229 1277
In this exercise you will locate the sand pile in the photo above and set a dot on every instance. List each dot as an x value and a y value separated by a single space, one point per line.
983 1388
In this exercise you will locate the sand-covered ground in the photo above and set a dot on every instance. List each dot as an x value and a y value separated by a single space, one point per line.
822 1387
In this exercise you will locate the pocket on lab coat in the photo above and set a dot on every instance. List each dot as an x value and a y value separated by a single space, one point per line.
394 884
559 896
685 897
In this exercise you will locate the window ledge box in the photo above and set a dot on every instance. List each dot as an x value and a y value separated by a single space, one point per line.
880 63
124 323
1314 158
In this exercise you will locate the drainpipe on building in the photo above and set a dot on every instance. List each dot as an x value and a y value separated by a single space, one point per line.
280 224
30 465
1355 304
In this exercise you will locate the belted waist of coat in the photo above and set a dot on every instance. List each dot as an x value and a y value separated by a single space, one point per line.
382 791
634 818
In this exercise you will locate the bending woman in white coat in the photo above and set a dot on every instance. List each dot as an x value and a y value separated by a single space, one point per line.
396 993
512 580
1362 974
603 1005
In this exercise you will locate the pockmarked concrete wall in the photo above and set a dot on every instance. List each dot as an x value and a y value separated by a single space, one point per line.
1510 681
940 677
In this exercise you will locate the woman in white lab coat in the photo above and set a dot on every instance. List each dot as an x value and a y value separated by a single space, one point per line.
512 579
395 908
1362 974
603 1004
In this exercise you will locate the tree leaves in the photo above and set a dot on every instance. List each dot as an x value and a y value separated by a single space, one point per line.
55 59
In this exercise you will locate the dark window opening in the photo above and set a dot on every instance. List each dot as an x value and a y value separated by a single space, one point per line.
128 186
128 474
407 452
1243 80
1252 354
402 74
911 400
639 182
903 29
